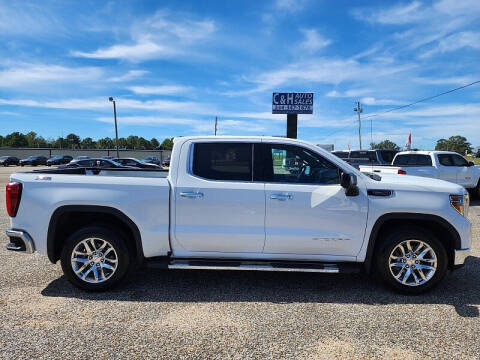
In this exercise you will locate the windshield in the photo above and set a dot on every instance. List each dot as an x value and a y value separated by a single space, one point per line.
3 157
56 157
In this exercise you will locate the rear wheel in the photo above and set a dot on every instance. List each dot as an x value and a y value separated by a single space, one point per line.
412 260
95 258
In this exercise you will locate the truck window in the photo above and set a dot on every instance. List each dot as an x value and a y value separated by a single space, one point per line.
368 156
387 155
412 160
459 160
341 154
294 164
223 161
445 160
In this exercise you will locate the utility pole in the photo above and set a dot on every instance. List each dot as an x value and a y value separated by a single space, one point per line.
116 128
216 122
359 110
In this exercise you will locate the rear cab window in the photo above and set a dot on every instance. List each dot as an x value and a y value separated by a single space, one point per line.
412 160
223 161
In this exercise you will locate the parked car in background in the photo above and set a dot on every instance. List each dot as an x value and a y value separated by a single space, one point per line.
82 157
166 162
8 160
366 157
227 203
59 160
92 163
137 163
34 160
152 160
443 165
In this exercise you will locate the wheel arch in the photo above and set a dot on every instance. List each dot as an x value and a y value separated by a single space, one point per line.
63 216
436 224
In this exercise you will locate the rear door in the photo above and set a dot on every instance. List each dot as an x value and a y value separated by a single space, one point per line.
307 211
218 207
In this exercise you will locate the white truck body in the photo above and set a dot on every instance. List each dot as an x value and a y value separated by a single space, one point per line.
443 165
186 216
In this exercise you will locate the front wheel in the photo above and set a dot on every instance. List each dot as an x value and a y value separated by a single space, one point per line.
95 258
412 260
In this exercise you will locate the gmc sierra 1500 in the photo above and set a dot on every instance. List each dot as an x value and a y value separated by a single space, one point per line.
232 203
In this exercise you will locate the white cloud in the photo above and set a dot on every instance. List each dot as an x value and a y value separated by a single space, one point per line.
150 120
130 75
370 100
349 93
453 80
313 41
183 107
23 74
160 90
162 36
465 39
290 5
321 70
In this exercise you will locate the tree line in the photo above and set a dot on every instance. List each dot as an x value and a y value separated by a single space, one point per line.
73 141
456 143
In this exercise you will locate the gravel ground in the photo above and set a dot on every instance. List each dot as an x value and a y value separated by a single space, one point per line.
239 315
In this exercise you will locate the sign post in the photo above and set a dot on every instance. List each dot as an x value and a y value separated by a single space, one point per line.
292 104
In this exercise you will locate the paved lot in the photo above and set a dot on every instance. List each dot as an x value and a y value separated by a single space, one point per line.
218 315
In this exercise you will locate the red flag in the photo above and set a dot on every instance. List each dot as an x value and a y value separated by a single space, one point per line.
408 145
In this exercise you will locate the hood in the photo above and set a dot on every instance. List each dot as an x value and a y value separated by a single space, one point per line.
414 183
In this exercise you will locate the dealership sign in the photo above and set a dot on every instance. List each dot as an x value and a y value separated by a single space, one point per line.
292 103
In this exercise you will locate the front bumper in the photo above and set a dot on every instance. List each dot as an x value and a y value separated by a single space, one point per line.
460 257
20 241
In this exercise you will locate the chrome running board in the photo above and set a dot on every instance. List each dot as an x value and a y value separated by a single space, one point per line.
254 266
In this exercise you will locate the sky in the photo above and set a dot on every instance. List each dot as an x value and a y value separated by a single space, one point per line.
172 66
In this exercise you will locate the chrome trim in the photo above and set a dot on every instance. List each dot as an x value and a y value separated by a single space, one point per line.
461 255
282 197
192 195
22 235
185 266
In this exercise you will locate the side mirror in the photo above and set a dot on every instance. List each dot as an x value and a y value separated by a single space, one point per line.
471 163
349 183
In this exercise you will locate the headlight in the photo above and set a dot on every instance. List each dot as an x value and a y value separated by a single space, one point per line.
460 203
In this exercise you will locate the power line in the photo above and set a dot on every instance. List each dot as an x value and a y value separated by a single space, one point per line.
405 106
421 100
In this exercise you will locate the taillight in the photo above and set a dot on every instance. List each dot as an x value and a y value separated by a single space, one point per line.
401 172
13 193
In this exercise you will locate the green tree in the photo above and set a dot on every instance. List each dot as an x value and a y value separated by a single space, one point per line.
167 144
105 143
143 143
73 140
132 142
87 143
154 143
456 143
60 143
1 140
31 138
122 143
15 139
385 144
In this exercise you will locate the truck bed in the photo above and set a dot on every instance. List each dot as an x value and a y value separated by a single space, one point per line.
142 195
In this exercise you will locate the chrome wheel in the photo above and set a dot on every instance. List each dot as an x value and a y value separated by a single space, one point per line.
94 260
413 262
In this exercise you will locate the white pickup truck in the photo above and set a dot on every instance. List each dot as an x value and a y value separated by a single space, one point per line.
444 165
230 203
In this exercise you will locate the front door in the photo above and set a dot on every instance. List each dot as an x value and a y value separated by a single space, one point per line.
307 211
446 168
464 171
218 207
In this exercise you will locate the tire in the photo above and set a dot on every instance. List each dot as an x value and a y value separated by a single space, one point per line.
90 278
476 190
411 283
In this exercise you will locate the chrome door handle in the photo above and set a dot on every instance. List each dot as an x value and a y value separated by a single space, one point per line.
192 195
282 197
